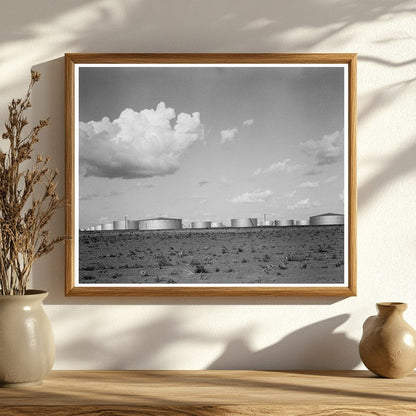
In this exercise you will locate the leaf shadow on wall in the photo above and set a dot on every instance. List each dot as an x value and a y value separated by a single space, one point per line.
151 345
105 26
316 346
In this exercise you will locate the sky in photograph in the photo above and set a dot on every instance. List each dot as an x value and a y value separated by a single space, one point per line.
210 143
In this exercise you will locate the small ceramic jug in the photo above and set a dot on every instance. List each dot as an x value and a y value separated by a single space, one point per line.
388 344
27 347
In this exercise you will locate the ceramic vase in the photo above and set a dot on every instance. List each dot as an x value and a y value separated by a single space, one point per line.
388 345
27 347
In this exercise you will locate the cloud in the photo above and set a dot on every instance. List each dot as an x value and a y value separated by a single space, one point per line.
313 172
309 184
327 150
228 135
283 166
251 197
93 195
331 179
247 123
137 144
202 183
144 185
304 203
291 194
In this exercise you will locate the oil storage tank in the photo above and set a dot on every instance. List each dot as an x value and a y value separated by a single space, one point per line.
119 225
302 222
160 224
217 225
107 226
285 223
97 228
133 224
201 224
244 222
327 219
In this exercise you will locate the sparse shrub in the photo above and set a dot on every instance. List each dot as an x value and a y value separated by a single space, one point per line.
200 268
208 260
163 261
265 258
87 277
244 261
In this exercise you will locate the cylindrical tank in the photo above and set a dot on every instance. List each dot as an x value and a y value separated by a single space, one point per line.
98 228
268 223
201 224
244 222
107 226
217 225
119 225
160 224
302 222
284 223
327 219
133 224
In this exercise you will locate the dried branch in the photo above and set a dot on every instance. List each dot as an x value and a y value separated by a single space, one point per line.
24 217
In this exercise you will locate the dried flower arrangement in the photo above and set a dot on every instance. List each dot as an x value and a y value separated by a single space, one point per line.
28 199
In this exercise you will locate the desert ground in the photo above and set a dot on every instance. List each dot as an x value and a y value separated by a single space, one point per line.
261 255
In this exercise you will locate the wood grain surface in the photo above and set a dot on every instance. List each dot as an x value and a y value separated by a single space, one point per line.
203 393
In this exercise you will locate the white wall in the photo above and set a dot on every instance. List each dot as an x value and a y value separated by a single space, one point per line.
198 333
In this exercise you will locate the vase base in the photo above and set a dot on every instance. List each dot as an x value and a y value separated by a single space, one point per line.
18 385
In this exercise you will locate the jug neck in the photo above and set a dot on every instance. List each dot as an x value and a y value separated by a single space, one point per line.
391 308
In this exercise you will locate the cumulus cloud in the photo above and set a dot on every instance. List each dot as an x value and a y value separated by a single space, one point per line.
137 144
309 184
251 197
304 203
248 122
284 166
228 135
327 150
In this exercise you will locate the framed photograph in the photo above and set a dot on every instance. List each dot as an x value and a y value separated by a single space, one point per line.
211 174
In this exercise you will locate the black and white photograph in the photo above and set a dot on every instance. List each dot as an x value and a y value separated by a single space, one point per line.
211 175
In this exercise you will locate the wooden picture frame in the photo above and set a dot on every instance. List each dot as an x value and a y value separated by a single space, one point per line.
86 76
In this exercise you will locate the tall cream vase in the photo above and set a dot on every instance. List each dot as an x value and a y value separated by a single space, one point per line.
27 347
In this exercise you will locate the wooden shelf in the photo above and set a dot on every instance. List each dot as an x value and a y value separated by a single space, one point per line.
203 393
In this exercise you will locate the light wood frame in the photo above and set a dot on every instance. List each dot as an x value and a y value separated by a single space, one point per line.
70 285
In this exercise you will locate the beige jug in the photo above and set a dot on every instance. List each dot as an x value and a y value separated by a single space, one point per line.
388 344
